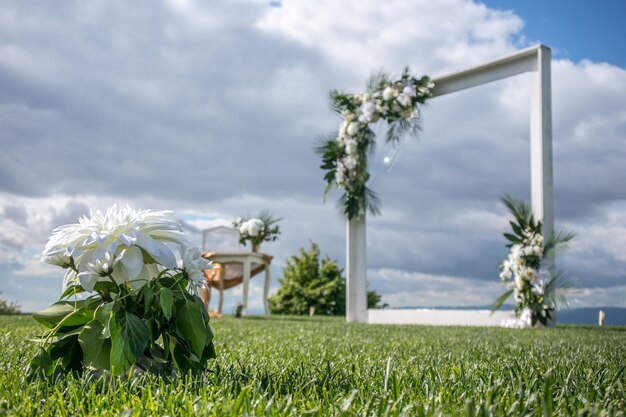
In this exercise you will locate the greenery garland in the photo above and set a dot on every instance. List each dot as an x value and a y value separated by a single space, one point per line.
345 154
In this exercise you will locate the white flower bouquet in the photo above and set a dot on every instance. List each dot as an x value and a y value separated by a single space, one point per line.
524 272
345 154
127 301
256 230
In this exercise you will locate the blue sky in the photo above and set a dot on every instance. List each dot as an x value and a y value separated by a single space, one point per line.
211 109
575 29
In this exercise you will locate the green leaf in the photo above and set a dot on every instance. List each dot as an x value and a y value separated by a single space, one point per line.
72 290
512 238
501 300
192 325
106 287
148 298
166 300
179 356
72 359
103 313
41 365
96 351
52 316
129 338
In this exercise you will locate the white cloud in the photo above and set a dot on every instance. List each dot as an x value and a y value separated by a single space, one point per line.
211 110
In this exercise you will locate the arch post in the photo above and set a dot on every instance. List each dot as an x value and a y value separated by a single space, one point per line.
356 271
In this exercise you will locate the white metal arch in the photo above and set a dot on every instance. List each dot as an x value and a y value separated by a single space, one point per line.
535 60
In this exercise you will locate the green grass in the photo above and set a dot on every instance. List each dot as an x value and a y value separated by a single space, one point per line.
323 367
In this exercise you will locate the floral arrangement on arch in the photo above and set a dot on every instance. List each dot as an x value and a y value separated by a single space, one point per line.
526 271
128 302
345 154
256 230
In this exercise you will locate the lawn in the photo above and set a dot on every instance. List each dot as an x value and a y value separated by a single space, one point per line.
323 366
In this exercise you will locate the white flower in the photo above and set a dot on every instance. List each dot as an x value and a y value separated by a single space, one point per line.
431 85
342 129
536 250
423 91
100 268
368 110
530 274
519 282
404 99
194 264
254 227
389 93
352 129
409 90
340 177
538 287
526 317
351 146
125 234
61 259
350 162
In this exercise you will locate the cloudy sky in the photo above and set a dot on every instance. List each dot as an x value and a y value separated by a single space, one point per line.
212 109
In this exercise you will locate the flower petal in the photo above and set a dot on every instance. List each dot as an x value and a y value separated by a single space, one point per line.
132 261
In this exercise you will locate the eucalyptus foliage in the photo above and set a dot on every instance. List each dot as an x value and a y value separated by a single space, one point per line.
345 154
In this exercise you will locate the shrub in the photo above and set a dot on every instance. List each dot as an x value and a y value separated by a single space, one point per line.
8 307
308 283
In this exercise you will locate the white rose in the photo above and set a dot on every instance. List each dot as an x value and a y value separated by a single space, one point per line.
254 227
352 129
389 93
404 99
409 90
350 162
368 109
351 146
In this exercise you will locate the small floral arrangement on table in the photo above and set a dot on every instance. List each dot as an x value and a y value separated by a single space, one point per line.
256 230
345 153
525 271
128 302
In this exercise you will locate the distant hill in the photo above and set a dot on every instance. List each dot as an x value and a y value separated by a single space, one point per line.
614 315
587 315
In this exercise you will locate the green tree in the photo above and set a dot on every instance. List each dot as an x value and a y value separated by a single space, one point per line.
7 307
307 283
